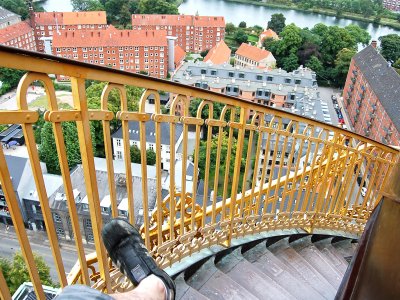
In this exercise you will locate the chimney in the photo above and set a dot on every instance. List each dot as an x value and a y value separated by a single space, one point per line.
171 52
374 44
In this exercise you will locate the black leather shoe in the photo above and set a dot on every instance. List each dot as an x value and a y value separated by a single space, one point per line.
129 253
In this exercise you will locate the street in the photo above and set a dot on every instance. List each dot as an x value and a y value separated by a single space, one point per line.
9 245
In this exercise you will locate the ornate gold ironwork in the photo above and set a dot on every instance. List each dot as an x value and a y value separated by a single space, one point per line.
297 173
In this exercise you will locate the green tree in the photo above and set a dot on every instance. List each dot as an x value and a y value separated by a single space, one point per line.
157 7
229 28
16 272
48 151
135 154
315 64
38 127
242 24
359 35
342 64
10 79
150 157
291 41
204 53
290 62
240 36
86 5
390 47
277 23
16 6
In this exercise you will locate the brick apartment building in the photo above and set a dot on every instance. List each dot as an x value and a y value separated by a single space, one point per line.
194 33
128 50
393 5
371 97
47 24
19 35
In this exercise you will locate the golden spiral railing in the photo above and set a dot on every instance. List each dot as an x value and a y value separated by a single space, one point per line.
268 169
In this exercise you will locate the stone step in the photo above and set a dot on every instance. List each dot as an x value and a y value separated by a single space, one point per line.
250 277
345 247
284 252
281 273
317 260
186 292
330 253
215 285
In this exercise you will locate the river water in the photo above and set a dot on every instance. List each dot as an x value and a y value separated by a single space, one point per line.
251 14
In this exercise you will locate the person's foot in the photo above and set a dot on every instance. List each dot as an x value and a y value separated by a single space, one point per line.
128 252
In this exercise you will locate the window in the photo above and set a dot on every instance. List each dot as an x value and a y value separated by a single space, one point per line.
270 78
203 71
87 223
57 218
118 142
231 74
213 72
241 75
259 77
119 155
297 81
287 80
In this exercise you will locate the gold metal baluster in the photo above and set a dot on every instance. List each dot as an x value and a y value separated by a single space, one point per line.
85 143
207 169
390 185
185 102
354 183
255 171
286 190
108 147
286 134
4 291
272 172
221 125
267 129
310 133
27 128
64 167
127 156
252 127
372 179
343 182
18 222
236 173
227 165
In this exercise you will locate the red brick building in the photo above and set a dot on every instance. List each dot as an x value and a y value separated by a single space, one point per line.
194 33
47 24
371 97
128 50
19 35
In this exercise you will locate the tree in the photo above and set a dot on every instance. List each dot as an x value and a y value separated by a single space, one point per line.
10 79
314 64
342 64
136 158
86 5
290 62
229 28
48 151
240 36
291 41
390 47
359 35
16 272
204 53
38 127
135 154
157 7
16 6
242 24
150 157
277 23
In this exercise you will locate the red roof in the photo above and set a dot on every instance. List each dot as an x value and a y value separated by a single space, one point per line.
11 32
181 20
109 37
269 33
71 18
179 55
252 52
219 54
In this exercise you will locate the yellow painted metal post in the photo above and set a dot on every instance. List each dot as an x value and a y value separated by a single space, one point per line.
4 291
86 147
391 187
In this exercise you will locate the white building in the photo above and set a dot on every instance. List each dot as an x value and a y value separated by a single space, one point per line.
134 139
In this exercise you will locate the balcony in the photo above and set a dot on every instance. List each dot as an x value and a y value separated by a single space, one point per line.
314 191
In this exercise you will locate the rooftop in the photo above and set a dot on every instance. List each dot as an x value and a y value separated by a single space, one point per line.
269 33
110 37
252 52
179 54
150 132
71 18
14 31
181 20
6 15
384 81
219 54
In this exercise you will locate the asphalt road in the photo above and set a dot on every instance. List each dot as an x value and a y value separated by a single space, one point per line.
9 245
